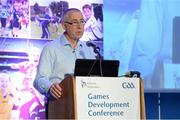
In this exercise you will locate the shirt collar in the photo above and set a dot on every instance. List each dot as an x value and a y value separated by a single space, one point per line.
65 42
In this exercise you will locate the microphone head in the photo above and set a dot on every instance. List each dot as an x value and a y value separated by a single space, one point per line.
90 44
135 74
96 49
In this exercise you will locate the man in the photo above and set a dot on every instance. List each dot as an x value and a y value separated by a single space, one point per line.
57 59
149 55
45 24
93 30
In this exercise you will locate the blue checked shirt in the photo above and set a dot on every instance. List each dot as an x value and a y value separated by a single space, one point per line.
57 60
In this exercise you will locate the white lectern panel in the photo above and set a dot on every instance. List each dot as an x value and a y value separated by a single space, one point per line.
107 98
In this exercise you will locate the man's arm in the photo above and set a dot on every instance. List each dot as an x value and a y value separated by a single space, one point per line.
42 82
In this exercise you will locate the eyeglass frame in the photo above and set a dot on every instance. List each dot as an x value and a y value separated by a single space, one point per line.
75 23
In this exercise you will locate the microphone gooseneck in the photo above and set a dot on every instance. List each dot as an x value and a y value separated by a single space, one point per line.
97 51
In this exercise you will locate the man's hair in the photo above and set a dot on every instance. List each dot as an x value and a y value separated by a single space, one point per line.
86 6
65 14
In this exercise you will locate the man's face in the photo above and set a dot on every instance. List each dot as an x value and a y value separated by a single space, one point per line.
87 13
74 25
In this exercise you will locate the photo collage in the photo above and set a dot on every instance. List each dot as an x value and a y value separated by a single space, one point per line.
25 27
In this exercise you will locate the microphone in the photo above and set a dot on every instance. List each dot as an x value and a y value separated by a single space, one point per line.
90 44
73 51
132 74
135 74
96 49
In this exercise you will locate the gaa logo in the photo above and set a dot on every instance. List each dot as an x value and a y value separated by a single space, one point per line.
128 85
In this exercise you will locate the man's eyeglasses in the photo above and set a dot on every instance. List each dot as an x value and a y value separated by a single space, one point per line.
76 22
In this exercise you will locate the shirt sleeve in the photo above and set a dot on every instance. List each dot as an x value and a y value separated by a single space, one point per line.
42 82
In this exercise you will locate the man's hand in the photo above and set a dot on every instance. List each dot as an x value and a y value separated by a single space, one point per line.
56 90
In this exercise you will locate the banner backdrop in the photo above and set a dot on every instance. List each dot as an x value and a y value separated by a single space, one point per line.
26 26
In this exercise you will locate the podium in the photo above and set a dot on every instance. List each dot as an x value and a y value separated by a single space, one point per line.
66 108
